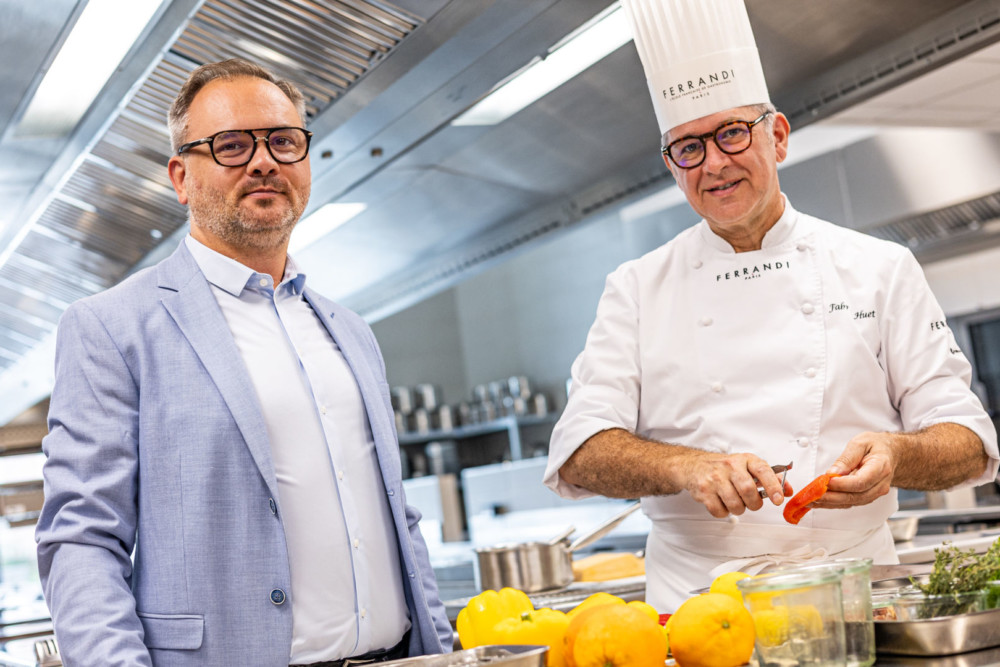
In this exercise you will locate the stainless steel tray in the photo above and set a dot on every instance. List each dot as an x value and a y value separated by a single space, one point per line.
513 656
948 635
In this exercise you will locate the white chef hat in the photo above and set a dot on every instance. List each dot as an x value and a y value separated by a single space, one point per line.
699 57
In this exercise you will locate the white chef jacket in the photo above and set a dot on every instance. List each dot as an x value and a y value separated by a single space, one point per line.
786 352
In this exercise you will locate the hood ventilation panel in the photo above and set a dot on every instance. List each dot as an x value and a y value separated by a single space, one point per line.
946 231
116 204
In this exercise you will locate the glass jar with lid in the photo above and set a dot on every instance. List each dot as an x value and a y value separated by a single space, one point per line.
798 617
856 591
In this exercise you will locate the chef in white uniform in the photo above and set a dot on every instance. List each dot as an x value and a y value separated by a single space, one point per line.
757 337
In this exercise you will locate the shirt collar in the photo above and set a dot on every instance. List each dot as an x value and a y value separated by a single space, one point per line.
775 236
231 276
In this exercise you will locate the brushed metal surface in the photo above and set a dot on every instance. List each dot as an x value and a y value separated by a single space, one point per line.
948 635
513 656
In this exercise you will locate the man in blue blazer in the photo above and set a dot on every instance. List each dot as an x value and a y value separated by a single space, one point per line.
222 484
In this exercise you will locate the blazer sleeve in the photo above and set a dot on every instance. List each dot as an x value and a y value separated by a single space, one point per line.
87 527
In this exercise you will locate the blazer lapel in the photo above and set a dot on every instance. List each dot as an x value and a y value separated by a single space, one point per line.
363 360
188 298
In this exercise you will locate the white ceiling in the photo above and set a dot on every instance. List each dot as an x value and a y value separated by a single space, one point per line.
962 94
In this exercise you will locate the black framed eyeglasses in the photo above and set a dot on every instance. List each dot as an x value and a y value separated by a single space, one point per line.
235 148
731 138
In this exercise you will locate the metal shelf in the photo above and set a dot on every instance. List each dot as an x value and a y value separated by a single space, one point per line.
510 424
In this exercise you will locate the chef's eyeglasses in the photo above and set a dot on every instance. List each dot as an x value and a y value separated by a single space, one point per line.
731 138
235 148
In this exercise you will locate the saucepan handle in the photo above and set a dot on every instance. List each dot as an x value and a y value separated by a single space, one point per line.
589 538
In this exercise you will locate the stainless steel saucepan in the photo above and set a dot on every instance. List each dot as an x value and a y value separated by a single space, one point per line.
537 566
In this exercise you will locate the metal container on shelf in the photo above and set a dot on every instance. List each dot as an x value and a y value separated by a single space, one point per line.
402 399
420 421
498 390
464 414
538 405
427 396
444 418
519 386
480 393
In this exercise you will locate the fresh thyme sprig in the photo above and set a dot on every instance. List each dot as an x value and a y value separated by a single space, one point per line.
962 570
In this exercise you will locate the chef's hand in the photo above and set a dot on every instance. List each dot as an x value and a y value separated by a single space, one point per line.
727 483
866 467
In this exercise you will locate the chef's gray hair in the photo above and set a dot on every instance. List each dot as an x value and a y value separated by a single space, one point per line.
755 111
234 68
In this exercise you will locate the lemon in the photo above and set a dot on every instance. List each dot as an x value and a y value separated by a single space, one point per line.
726 584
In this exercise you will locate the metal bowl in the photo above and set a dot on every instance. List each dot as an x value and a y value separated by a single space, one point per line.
513 656
903 528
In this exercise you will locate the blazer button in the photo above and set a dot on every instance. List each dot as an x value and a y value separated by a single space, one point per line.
278 596
272 505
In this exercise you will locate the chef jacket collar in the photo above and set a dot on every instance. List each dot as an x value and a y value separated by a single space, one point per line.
778 234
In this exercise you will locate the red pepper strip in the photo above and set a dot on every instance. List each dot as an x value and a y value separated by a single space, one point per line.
797 507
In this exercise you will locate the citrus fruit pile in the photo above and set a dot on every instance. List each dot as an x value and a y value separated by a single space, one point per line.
713 629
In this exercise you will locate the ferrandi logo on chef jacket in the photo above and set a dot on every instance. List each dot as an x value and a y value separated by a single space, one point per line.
699 57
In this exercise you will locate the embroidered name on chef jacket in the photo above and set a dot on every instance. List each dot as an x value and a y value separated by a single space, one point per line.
751 272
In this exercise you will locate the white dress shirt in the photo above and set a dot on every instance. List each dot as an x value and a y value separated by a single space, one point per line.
786 352
347 595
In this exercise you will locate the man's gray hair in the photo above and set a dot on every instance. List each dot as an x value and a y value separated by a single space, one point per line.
234 68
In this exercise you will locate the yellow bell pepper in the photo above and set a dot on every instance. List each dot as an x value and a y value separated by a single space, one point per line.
481 615
595 600
541 627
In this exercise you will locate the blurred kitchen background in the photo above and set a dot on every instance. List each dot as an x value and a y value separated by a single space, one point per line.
479 168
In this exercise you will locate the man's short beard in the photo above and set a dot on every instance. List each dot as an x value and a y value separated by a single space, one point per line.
238 227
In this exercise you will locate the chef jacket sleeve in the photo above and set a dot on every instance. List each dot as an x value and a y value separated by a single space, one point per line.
604 392
928 376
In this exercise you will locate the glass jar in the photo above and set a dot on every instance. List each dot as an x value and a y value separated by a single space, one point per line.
798 618
917 606
856 591
992 599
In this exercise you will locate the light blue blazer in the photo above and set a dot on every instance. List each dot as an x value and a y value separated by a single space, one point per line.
156 443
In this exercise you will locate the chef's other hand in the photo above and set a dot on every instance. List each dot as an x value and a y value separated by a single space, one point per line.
866 467
727 483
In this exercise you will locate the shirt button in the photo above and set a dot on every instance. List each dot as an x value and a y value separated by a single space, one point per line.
356 543
262 282
716 387
322 409
705 321
808 308
697 264
732 518
364 612
802 442
340 474
801 247
278 596
810 372
272 505
391 492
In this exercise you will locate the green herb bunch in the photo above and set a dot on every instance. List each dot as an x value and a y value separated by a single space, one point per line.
962 570
956 574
